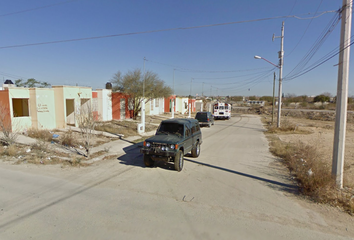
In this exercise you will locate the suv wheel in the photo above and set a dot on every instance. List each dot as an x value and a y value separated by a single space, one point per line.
148 161
179 161
196 150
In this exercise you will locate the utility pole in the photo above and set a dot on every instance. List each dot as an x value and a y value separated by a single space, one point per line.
173 100
281 55
143 102
203 89
190 91
190 100
273 98
342 94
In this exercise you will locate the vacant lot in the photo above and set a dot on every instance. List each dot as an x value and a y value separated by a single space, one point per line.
320 134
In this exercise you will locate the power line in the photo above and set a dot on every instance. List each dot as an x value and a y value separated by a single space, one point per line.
154 31
181 69
319 63
304 31
37 8
231 78
10 75
316 46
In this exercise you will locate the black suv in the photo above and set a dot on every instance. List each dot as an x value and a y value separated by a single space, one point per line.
174 138
205 118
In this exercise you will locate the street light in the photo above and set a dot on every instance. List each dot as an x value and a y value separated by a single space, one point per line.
258 57
280 91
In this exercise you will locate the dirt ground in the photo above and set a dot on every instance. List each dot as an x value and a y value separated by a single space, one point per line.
320 135
66 148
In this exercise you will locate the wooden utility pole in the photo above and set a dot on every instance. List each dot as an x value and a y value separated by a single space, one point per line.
342 94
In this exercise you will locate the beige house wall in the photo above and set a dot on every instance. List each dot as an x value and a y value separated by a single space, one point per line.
69 100
181 105
104 99
42 108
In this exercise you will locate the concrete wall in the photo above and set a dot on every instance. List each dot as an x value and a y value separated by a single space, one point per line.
192 103
19 101
182 105
102 104
199 106
68 101
5 115
168 103
120 106
155 106
42 108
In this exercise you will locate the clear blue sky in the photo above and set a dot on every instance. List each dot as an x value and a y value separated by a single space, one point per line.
220 56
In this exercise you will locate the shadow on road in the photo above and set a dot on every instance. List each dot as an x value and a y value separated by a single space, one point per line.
274 184
132 155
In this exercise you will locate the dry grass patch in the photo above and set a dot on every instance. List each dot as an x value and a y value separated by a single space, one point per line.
126 128
43 134
68 139
312 173
285 127
12 150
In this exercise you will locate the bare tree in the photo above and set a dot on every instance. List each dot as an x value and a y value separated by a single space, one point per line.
86 122
132 84
8 136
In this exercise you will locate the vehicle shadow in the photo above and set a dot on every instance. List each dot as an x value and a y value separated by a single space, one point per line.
133 157
271 183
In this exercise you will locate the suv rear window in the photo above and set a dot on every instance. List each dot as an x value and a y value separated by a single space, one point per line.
201 114
173 128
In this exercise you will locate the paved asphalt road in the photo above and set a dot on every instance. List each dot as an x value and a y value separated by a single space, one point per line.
234 190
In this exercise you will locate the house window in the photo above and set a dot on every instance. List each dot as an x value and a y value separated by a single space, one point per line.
157 102
20 107
152 104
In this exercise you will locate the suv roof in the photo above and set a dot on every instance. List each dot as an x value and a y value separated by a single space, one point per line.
186 121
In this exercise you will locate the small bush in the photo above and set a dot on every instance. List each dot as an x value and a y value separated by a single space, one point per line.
68 139
40 134
11 150
40 145
285 126
312 173
304 104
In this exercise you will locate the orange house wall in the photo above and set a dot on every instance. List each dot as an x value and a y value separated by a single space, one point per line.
192 102
4 101
167 103
116 106
95 113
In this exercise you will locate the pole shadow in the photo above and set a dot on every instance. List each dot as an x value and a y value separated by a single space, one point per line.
271 183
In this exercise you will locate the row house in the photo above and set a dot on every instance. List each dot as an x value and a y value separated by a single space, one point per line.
43 108
58 107
155 106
